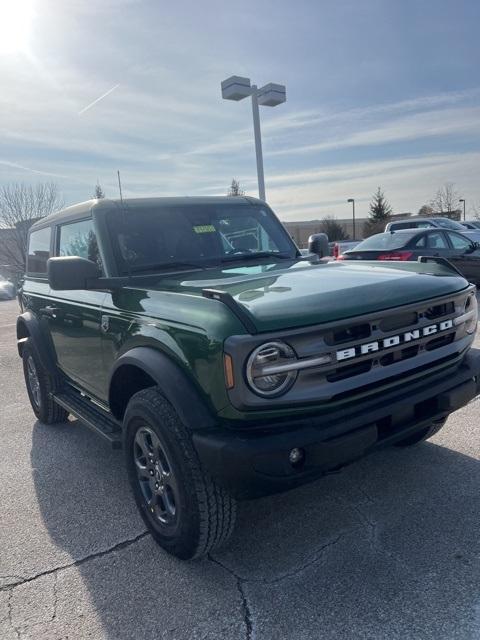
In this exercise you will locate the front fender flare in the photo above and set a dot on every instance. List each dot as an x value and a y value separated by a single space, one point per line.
173 382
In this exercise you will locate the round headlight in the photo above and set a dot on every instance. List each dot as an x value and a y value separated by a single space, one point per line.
268 369
471 306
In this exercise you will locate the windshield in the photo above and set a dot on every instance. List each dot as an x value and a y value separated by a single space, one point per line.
382 241
190 236
449 224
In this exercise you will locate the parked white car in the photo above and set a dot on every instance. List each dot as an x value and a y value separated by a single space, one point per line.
7 289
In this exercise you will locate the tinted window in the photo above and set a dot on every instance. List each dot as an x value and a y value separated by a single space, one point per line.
436 240
146 239
386 241
459 242
39 251
402 225
79 239
420 243
424 225
446 223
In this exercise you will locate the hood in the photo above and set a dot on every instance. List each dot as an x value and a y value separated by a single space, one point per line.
279 296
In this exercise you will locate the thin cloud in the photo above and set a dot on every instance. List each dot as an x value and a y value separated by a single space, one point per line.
107 93
15 165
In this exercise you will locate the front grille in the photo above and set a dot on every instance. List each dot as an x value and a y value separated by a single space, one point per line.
387 346
347 334
440 310
397 378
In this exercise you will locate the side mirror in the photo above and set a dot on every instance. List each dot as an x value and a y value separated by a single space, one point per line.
473 247
71 273
318 244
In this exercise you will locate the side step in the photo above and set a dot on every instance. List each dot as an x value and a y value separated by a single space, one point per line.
92 416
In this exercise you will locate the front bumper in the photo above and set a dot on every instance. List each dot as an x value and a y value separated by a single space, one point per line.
256 462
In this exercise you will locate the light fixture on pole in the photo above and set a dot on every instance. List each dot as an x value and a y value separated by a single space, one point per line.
463 200
352 200
270 95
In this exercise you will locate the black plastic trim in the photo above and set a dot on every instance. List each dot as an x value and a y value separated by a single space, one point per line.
39 341
174 384
255 464
229 301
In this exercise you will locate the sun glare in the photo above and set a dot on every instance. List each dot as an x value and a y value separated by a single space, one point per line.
15 25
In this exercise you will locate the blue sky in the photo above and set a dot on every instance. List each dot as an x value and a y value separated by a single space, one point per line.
379 93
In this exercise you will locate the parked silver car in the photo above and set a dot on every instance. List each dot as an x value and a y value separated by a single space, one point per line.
416 222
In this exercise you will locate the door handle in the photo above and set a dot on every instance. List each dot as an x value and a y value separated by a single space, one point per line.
52 312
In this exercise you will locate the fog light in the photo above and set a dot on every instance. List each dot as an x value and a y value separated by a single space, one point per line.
296 456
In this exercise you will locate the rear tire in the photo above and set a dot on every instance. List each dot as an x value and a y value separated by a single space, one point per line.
187 513
422 435
40 385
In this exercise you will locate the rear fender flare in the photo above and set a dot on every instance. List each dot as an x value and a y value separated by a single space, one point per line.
28 327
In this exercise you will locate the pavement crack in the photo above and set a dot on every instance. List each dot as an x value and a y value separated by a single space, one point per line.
289 574
55 597
77 563
247 614
312 560
9 613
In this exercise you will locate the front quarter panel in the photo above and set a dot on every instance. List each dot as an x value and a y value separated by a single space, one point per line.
189 329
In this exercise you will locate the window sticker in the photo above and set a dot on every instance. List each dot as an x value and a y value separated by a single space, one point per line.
204 228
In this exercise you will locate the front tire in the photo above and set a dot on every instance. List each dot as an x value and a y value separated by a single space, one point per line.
39 388
187 513
422 435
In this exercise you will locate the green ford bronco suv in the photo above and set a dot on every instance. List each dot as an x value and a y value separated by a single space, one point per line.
193 333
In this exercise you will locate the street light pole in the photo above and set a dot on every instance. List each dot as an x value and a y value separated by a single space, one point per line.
258 143
270 95
352 200
463 200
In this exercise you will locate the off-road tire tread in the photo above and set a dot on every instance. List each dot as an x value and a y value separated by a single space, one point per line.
50 412
216 507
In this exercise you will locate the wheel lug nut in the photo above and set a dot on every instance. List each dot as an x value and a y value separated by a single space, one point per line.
151 472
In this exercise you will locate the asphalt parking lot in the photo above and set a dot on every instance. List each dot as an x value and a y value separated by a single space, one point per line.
387 548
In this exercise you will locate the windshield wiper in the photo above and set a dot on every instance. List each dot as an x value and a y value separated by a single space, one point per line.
258 254
166 265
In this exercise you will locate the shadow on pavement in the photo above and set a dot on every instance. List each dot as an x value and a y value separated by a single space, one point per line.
387 548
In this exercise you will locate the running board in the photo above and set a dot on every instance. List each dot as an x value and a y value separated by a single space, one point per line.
92 416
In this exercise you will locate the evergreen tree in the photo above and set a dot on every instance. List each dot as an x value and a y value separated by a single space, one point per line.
235 189
380 212
99 192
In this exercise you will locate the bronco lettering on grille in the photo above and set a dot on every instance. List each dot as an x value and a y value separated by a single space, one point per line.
392 341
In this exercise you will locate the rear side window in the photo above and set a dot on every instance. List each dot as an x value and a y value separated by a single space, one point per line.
79 239
39 251
436 241
424 225
459 242
420 243
386 241
395 226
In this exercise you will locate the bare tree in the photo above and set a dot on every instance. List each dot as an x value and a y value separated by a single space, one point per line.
425 210
333 229
20 206
235 189
446 201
